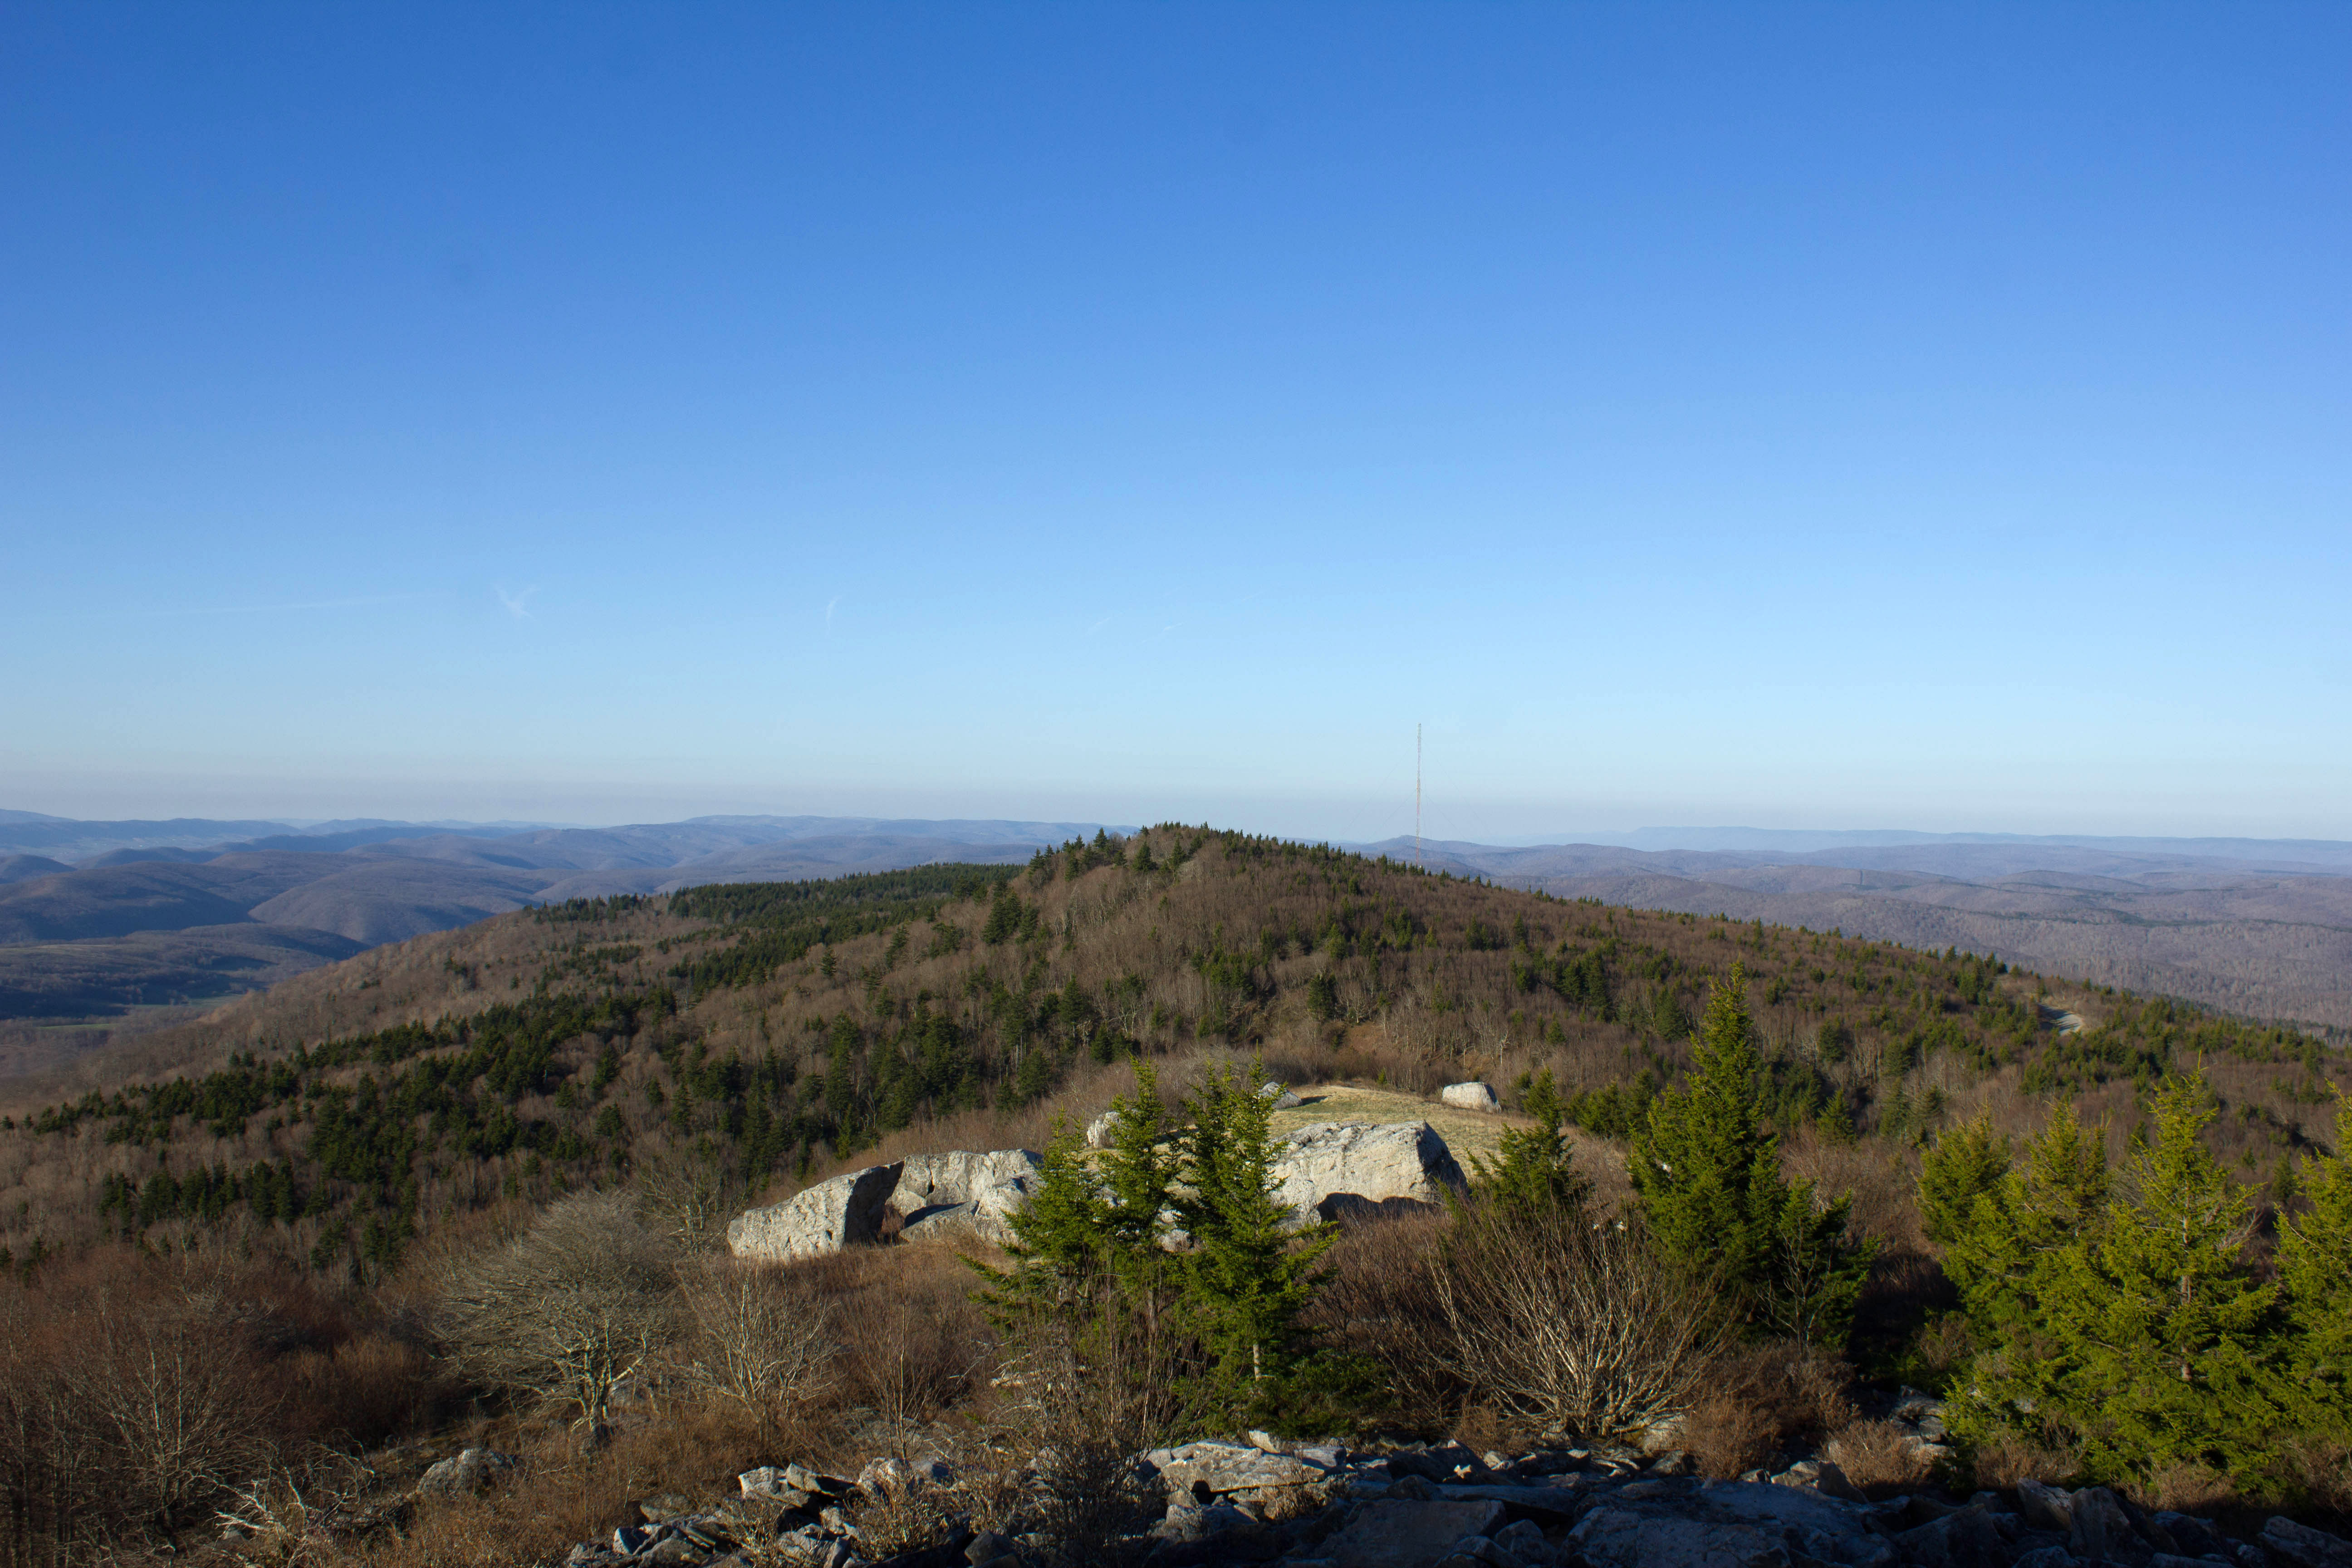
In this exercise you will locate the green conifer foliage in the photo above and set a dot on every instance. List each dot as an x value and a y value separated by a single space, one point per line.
1706 1172
1964 1165
1532 1177
2002 1260
1060 1236
1250 1272
2172 1328
2316 1270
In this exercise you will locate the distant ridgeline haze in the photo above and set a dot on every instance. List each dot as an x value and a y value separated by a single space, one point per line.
762 1033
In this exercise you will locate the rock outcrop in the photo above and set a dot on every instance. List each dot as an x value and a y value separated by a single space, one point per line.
844 1212
965 1191
1470 1097
1332 1168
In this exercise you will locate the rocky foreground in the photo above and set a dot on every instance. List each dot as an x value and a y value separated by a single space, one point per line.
1324 1506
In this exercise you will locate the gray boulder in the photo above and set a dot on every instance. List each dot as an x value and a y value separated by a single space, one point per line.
1968 1539
1408 1534
844 1212
1470 1097
1279 1097
2304 1546
2045 1507
1330 1168
469 1472
962 1190
1102 1130
2102 1531
1822 1477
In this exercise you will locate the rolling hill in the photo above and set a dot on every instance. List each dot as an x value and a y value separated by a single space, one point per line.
746 1037
83 943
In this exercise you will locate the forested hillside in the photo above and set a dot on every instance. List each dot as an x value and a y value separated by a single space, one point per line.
730 1039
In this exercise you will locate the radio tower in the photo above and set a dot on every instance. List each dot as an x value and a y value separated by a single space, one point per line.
1416 797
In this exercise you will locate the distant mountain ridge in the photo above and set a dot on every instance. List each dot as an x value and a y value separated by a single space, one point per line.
86 940
2260 928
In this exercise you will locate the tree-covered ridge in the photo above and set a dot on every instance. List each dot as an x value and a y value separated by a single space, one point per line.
771 1030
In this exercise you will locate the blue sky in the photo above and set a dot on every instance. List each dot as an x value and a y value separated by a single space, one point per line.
1924 417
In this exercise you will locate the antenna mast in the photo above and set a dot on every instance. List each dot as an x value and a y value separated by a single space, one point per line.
1416 797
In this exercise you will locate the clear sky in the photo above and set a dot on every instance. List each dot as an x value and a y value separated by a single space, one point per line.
1855 415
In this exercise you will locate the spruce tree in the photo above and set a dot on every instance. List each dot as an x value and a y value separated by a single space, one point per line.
2172 1334
1532 1178
2016 1232
1251 1271
2315 1272
1706 1170
1060 1245
1963 1165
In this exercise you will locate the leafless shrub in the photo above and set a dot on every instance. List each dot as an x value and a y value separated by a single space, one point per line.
1576 1322
760 1335
1381 1300
1086 1400
688 1195
565 1310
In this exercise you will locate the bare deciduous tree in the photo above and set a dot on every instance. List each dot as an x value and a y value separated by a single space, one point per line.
568 1309
761 1336
1579 1322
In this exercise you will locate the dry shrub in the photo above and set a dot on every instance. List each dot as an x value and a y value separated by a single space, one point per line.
1878 1454
759 1334
2198 1488
1381 1300
1084 1401
565 1310
1764 1398
1727 1435
366 1390
2008 1458
1576 1323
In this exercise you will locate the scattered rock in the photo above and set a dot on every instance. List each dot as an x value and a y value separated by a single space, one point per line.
1281 1097
1102 1130
2045 1507
1330 1168
2101 1531
2304 1546
464 1475
1824 1477
1391 1534
844 1212
1470 1097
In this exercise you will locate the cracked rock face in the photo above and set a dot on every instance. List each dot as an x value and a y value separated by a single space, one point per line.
844 1212
1331 1168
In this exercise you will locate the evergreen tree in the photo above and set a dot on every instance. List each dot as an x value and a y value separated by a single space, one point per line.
1251 1271
1060 1237
2315 1271
1532 1178
1963 1165
2003 1259
1139 1171
1706 1169
2171 1329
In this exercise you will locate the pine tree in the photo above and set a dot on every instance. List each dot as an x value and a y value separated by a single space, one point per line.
1139 1171
1251 1271
2315 1272
1963 1165
2178 1360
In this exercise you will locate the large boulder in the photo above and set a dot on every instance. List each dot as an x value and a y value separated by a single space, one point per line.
962 1190
1470 1097
842 1212
1331 1168
1408 1534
